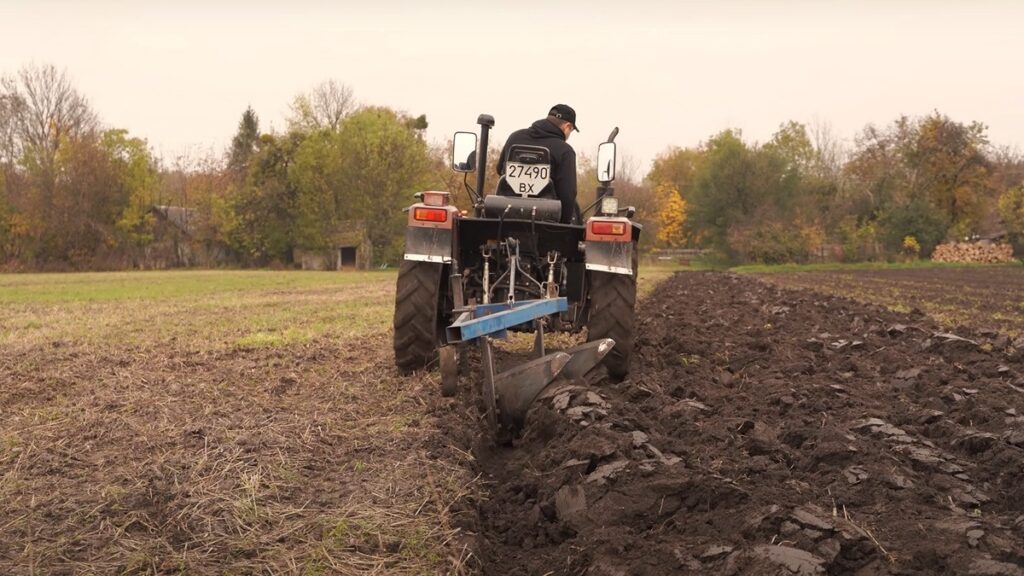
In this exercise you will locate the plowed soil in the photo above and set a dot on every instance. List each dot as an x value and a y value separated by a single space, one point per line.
987 298
766 430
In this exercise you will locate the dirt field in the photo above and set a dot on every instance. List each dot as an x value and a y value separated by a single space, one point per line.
987 298
259 427
216 423
221 422
771 431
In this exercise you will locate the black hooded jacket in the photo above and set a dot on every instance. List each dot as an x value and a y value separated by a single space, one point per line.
563 164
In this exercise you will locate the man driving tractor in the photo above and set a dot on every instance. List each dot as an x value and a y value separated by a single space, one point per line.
552 133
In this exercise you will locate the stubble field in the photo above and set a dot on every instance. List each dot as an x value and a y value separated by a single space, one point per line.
252 422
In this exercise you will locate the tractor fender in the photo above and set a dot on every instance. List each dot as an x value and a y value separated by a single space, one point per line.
609 245
428 236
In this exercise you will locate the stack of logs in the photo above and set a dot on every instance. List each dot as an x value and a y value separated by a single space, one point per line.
973 252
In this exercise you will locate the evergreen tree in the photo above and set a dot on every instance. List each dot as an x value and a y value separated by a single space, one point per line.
244 143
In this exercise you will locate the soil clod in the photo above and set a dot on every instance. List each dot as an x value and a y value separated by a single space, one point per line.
813 435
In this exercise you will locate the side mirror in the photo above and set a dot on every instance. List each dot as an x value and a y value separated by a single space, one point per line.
606 162
464 152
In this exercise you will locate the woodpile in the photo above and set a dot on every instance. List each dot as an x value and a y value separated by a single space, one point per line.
973 253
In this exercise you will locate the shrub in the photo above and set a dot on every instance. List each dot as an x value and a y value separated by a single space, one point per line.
916 218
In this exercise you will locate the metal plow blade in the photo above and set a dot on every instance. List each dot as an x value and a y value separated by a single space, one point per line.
586 357
516 389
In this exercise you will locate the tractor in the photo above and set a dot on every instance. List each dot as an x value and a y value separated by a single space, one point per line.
511 265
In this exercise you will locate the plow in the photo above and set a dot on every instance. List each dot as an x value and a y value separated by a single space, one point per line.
471 278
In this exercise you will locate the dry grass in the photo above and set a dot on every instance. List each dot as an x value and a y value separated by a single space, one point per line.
650 276
309 459
144 436
191 423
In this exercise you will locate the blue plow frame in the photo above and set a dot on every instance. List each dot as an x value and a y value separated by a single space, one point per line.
508 395
495 319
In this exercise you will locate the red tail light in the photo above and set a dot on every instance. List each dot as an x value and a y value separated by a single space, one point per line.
608 228
431 215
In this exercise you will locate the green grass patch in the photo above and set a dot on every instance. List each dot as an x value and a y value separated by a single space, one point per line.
204 309
842 266
167 285
650 275
207 309
270 340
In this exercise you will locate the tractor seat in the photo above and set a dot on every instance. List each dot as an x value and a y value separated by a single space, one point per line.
539 209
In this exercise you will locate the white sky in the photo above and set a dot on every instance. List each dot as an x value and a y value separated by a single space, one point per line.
666 72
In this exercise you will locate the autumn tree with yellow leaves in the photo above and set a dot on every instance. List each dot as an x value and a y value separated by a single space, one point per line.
671 217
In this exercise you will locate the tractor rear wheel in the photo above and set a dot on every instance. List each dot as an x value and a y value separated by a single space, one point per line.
612 302
419 314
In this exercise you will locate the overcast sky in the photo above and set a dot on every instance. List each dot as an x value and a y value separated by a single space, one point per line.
666 72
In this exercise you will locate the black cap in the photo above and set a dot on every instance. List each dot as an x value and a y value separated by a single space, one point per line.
564 112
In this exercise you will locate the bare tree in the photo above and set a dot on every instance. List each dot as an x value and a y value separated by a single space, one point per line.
8 113
43 108
1007 166
324 107
629 168
830 150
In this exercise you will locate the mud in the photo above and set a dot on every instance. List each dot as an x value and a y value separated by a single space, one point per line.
766 430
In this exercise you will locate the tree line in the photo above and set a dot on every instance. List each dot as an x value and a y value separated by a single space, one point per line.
899 191
77 194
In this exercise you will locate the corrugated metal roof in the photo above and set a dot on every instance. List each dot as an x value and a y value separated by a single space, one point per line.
185 219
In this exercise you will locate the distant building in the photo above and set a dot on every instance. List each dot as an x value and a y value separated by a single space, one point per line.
350 249
177 242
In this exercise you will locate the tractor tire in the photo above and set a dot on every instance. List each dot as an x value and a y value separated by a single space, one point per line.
419 317
612 303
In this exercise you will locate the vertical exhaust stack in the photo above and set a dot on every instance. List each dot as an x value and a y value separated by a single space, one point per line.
486 122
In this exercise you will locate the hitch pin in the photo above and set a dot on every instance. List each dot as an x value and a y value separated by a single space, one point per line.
550 288
486 252
513 264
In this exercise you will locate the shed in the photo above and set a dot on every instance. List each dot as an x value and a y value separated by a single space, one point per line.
349 249
176 240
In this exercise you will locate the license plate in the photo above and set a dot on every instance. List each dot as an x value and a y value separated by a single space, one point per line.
527 179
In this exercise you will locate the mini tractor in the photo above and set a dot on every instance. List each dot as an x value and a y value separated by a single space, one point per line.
512 266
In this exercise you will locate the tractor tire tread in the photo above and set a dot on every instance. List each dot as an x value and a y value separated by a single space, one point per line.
612 315
416 310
